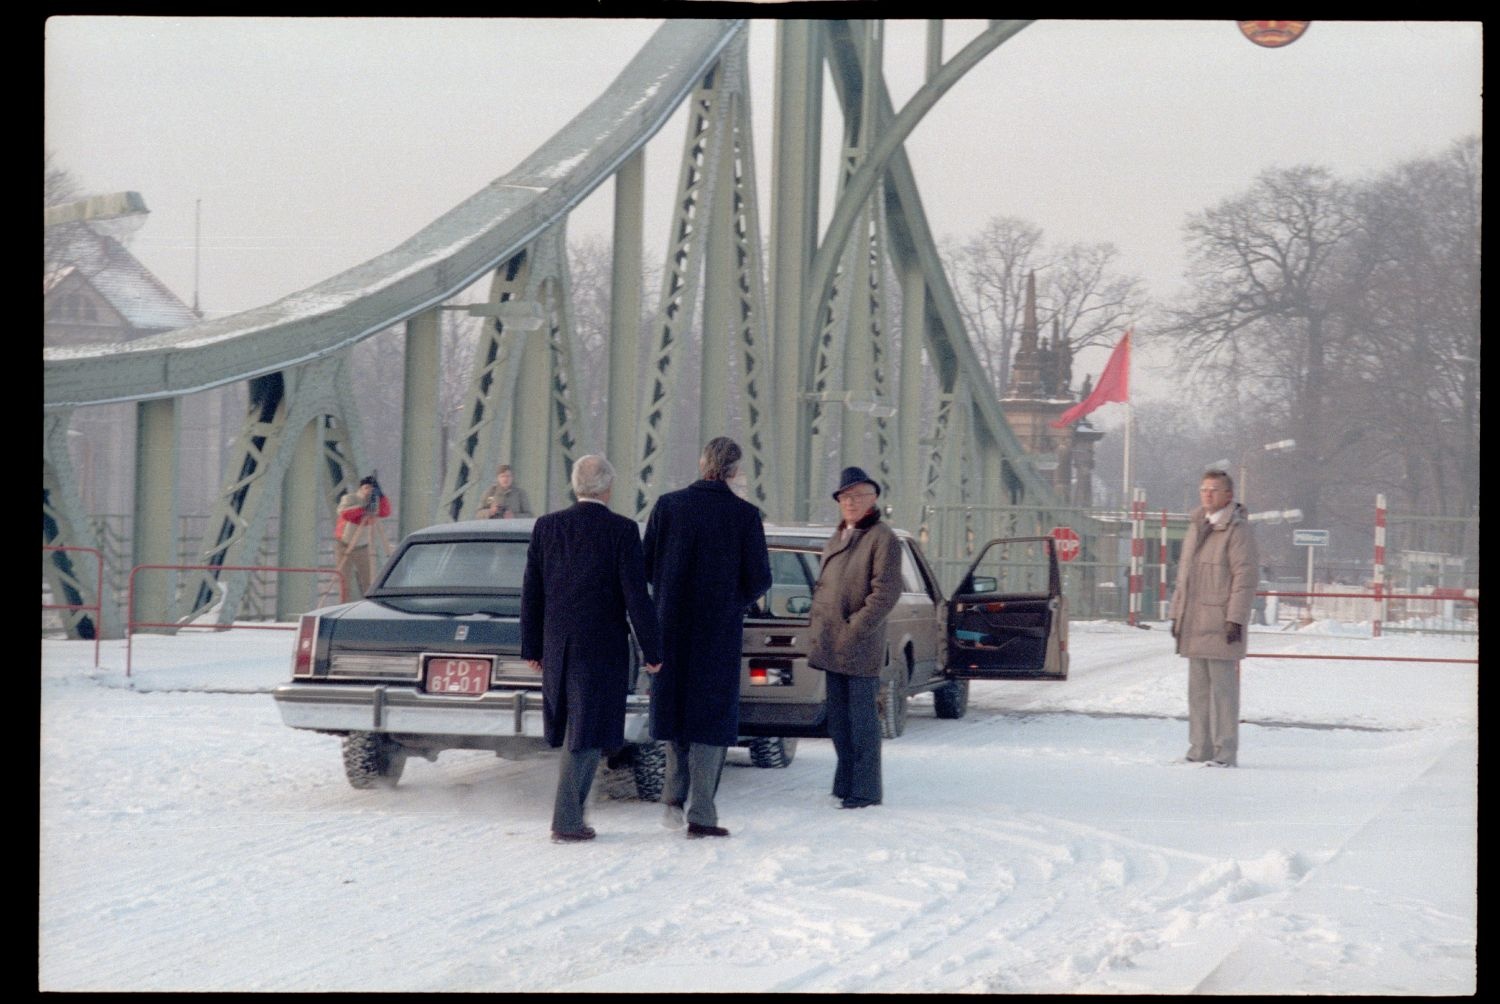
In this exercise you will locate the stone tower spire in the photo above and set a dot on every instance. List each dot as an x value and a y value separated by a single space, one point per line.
1025 373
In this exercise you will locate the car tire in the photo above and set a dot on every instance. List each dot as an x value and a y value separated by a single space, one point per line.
648 765
951 700
372 760
772 751
893 704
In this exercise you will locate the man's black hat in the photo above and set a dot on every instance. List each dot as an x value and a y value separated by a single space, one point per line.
851 476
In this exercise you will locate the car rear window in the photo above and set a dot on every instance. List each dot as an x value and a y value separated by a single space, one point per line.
459 564
792 576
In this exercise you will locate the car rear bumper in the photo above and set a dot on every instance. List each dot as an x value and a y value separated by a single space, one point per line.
805 720
398 709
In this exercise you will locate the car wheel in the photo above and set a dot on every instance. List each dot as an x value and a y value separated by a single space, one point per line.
772 751
372 759
893 704
649 766
951 700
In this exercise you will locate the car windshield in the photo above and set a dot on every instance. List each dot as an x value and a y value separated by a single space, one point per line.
460 565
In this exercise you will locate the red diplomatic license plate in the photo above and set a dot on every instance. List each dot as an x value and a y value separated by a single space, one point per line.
461 677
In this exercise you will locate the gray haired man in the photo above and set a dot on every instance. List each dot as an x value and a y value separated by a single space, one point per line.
583 582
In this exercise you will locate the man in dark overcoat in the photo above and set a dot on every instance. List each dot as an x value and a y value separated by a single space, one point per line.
584 577
706 560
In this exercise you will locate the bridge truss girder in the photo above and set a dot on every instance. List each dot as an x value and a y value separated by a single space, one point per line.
821 326
520 407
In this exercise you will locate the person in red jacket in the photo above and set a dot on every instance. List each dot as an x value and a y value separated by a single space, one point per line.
358 512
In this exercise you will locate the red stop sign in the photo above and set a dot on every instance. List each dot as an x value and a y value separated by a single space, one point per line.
1067 542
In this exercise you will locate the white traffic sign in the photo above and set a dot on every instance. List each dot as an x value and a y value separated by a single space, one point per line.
1309 538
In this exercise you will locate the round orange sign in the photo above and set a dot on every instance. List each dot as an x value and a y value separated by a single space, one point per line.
1273 34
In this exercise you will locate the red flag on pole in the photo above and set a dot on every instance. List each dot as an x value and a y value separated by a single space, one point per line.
1114 385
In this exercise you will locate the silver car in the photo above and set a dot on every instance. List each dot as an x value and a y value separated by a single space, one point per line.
1008 620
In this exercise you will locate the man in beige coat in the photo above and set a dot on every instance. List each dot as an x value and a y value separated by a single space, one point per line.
1216 581
857 588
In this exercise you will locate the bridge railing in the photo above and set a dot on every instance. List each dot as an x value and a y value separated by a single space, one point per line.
131 623
97 606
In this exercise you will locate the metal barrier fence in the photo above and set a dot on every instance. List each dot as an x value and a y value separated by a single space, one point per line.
96 606
1414 554
131 623
1430 611
112 532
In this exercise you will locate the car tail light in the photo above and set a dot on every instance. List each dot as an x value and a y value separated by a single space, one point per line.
770 673
307 646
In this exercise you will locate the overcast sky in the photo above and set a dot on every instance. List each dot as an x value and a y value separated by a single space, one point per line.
316 144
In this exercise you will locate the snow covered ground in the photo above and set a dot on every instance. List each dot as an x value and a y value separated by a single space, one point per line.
1047 842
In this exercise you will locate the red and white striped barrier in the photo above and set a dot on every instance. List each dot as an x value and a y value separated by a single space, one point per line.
1137 551
1161 587
1379 576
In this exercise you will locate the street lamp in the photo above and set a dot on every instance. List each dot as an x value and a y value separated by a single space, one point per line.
1280 446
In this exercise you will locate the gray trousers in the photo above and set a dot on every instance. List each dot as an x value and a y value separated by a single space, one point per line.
692 781
575 775
1214 710
854 727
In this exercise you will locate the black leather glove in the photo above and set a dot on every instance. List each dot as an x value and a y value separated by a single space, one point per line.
1175 632
1233 632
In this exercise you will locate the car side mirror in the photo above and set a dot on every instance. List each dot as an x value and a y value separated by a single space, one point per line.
983 584
798 604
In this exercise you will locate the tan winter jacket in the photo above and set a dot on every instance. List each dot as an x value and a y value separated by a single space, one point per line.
856 591
1216 582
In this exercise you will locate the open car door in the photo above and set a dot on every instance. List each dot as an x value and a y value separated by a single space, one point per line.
1008 620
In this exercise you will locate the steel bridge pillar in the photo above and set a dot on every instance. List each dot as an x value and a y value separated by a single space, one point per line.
720 299
625 320
417 502
909 423
797 138
297 541
155 533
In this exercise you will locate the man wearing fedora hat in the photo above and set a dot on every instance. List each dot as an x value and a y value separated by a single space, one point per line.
857 588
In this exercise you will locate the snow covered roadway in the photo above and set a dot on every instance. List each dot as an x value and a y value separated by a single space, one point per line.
1048 842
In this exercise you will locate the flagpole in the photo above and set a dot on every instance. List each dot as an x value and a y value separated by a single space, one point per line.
1129 429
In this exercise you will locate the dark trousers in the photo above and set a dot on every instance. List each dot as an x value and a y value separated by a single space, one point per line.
693 772
575 775
854 727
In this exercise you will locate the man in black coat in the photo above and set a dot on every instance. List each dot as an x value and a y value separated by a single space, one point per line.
706 560
583 577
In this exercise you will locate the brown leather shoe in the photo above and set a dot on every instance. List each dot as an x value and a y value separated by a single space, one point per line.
572 836
696 830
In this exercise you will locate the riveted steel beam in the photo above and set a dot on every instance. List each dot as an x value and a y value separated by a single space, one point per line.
714 208
264 469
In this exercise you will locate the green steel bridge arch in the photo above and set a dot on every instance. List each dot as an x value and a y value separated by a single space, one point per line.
825 378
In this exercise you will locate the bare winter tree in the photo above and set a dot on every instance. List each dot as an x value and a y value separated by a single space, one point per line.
989 276
1419 314
1078 287
1263 328
589 262
58 186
